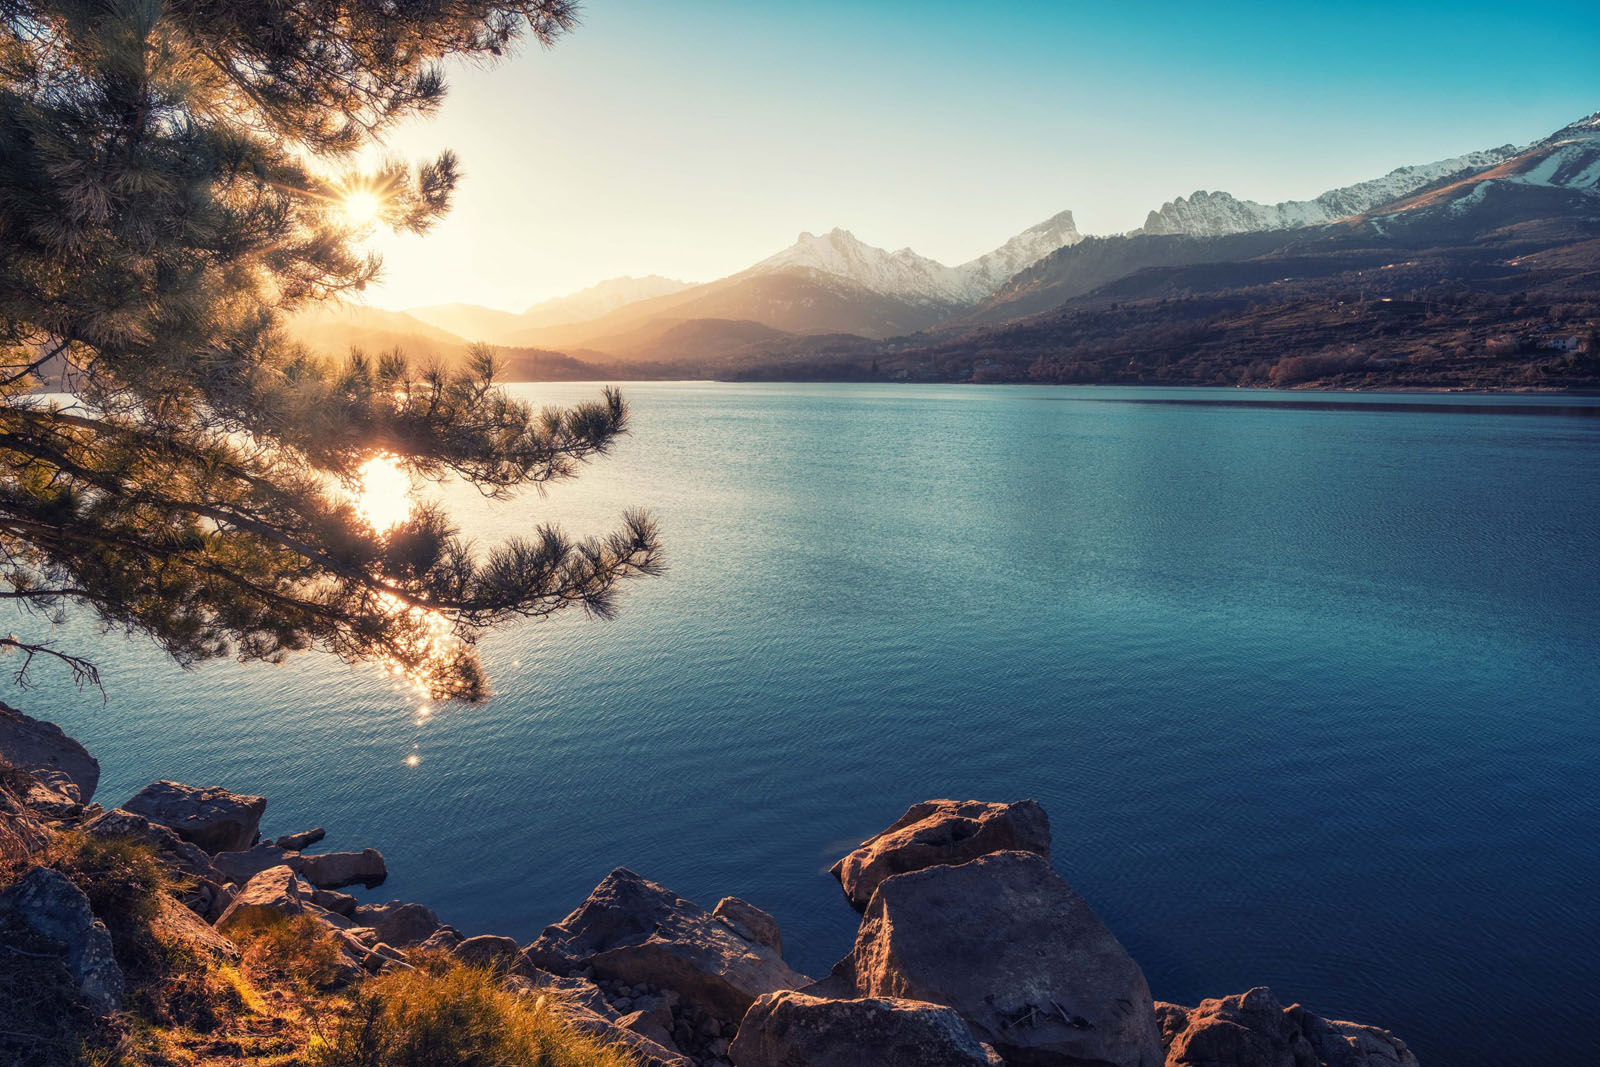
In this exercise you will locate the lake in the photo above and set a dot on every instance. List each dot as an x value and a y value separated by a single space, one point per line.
1307 683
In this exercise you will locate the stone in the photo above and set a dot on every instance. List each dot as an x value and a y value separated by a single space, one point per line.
179 929
642 1022
791 1029
382 956
335 901
1253 1029
335 870
303 840
585 1008
634 931
443 939
1007 943
43 750
240 867
214 819
938 832
488 950
47 902
749 922
271 896
397 922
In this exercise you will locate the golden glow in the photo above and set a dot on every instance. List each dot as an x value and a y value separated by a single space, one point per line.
384 499
413 759
361 207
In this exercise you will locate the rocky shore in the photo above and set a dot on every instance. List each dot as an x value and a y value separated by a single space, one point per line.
971 950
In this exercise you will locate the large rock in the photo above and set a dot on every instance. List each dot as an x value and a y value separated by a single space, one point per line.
584 1007
1007 943
180 930
1254 1030
938 832
635 931
335 870
792 1029
398 923
44 751
302 840
47 902
212 818
749 922
240 867
271 896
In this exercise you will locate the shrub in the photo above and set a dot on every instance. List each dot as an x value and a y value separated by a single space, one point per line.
448 1013
298 951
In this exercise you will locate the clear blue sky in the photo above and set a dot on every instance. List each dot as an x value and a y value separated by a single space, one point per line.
693 138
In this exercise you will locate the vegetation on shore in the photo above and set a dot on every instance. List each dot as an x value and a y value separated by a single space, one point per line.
279 1002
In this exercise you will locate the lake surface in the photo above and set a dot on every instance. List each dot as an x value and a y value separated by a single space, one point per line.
1307 683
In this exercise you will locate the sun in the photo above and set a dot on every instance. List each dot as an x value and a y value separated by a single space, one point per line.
384 500
361 207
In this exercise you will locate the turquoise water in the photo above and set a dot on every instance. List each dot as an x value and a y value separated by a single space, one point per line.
1307 684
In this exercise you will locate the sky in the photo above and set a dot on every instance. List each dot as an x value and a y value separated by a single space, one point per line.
694 138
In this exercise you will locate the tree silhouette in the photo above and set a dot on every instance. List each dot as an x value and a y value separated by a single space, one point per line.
174 177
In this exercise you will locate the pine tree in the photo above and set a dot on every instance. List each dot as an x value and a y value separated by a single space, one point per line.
173 180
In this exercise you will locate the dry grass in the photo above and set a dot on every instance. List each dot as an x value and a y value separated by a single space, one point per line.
446 1013
278 1006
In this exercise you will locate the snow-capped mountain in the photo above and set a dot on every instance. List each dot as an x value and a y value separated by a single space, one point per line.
1214 214
1562 169
993 269
905 275
841 255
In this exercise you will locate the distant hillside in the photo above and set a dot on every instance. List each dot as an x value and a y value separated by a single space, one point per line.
336 330
502 327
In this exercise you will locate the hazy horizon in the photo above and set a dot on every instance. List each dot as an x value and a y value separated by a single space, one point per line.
694 141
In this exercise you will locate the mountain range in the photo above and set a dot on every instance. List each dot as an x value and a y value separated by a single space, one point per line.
832 300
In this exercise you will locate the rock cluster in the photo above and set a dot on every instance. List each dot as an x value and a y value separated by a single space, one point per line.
971 951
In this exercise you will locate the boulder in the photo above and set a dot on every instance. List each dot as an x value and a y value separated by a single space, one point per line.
749 922
638 932
303 840
584 1007
47 902
792 1029
44 751
1254 1029
271 896
399 923
335 870
335 901
180 930
240 867
938 832
487 950
1008 944
214 819
444 939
